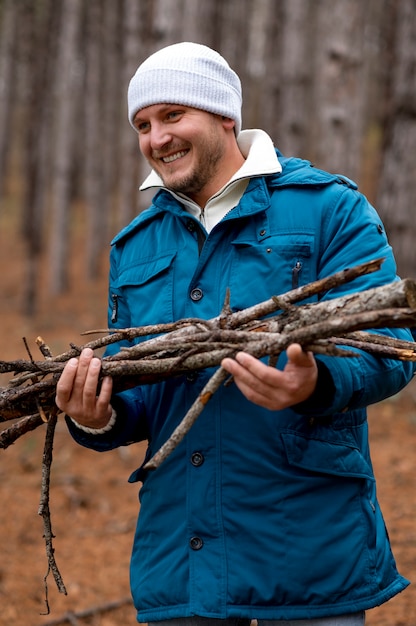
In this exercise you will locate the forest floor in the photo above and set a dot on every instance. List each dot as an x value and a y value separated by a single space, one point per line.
94 509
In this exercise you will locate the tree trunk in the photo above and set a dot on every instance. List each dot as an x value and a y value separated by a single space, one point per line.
296 78
66 101
262 67
397 191
199 18
133 18
94 102
167 24
231 17
37 37
113 93
338 100
7 84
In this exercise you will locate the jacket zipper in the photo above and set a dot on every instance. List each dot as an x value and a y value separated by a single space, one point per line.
200 235
114 310
295 274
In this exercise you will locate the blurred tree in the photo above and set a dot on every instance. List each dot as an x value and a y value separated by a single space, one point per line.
135 40
199 21
397 189
37 40
296 78
337 103
94 103
8 39
66 97
263 64
166 21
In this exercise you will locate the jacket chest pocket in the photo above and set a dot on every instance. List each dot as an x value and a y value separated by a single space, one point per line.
272 267
146 289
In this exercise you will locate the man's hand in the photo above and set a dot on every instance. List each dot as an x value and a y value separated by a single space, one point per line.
76 391
271 388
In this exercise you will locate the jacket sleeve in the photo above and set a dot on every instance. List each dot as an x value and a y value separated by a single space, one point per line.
353 233
130 425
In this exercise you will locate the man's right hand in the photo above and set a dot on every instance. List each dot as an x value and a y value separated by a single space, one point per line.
76 391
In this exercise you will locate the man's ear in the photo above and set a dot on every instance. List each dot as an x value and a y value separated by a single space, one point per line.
227 122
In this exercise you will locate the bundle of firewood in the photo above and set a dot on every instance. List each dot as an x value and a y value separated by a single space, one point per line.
266 329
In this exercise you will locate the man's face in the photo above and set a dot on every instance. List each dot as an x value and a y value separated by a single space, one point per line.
185 146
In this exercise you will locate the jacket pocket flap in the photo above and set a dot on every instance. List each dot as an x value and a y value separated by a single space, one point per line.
325 457
286 245
145 271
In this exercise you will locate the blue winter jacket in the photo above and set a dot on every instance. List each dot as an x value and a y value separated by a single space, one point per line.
256 514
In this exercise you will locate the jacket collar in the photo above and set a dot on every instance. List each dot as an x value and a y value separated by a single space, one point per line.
260 159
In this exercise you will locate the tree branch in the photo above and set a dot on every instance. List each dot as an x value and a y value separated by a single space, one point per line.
44 510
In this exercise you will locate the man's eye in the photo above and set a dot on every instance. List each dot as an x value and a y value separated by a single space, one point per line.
172 115
142 127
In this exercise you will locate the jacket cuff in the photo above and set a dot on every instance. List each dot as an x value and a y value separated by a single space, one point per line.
323 396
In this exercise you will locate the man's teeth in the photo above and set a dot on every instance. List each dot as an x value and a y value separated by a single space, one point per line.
173 157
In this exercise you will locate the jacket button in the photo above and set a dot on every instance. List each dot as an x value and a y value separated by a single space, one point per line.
196 543
191 226
196 294
192 377
197 459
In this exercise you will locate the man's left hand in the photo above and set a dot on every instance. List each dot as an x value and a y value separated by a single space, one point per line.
272 388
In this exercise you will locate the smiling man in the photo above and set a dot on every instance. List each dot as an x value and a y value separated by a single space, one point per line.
267 509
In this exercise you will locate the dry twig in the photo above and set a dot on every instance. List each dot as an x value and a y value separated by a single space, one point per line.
44 510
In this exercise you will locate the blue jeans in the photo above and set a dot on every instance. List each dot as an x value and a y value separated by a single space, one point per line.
352 619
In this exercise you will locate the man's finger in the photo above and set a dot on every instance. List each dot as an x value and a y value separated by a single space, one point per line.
65 383
297 355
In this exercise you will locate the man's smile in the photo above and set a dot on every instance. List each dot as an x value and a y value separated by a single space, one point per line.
175 156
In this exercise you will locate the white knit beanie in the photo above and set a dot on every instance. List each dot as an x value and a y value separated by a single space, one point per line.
190 74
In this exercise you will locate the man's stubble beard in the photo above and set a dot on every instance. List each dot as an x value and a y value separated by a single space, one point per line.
210 153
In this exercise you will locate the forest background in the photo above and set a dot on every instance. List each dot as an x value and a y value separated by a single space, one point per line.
332 81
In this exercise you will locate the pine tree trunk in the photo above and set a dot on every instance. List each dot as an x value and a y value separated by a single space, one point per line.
94 103
296 78
37 40
67 91
7 84
135 37
338 100
397 191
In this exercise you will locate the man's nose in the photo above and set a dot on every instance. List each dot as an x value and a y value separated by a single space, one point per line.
159 136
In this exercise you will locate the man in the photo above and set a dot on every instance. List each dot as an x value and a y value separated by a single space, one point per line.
267 509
